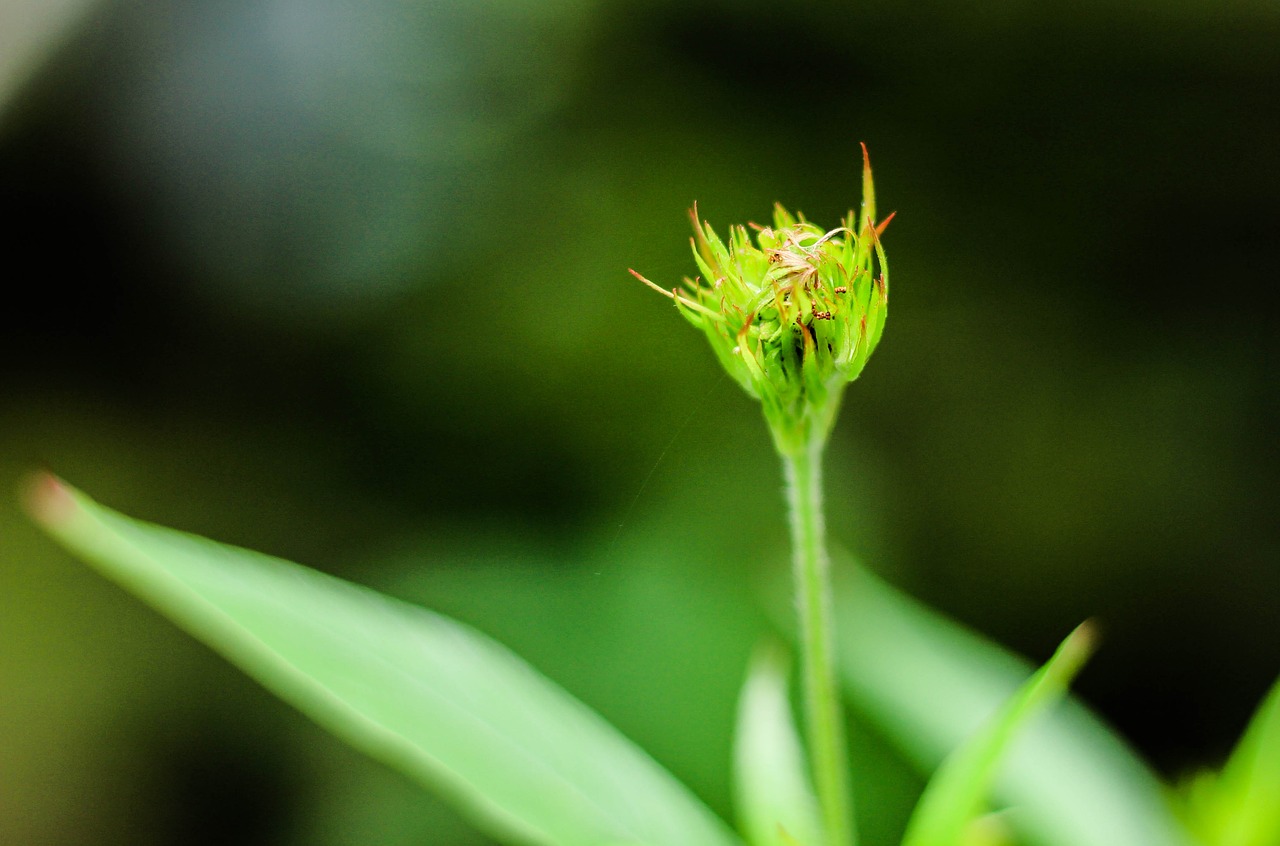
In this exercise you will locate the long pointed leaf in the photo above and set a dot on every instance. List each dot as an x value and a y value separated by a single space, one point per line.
928 683
775 802
954 795
426 695
1241 806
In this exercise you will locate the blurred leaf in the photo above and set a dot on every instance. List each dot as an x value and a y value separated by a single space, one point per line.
927 683
422 693
775 802
988 830
953 798
1241 806
311 160
29 31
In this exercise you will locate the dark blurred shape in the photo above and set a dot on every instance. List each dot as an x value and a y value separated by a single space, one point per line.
30 30
310 158
216 784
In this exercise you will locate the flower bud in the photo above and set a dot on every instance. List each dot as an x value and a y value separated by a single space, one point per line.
794 315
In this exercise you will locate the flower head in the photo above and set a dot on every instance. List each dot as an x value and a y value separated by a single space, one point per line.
794 315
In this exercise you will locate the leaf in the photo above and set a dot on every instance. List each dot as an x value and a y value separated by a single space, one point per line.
428 696
775 801
954 795
988 830
928 683
1241 806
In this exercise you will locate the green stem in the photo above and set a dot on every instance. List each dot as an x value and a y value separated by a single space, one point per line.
827 751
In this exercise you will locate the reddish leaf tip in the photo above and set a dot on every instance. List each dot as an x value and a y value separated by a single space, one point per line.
1087 635
47 498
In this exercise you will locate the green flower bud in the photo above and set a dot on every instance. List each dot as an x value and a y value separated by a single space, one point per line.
794 316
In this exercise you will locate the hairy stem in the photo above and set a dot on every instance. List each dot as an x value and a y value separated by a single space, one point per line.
825 718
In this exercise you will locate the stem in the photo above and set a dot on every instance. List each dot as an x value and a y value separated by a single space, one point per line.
827 751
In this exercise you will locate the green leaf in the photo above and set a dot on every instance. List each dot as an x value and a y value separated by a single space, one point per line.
1241 806
928 684
775 802
955 794
422 693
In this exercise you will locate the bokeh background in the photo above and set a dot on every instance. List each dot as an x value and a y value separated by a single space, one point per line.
346 282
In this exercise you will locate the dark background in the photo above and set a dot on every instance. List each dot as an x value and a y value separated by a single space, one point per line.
347 282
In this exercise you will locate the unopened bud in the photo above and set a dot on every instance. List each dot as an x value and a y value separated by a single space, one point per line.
794 315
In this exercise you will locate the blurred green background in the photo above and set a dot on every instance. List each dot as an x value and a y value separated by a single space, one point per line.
346 282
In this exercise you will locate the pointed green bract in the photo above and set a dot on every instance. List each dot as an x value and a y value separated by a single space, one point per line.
775 801
794 315
955 794
1241 805
426 695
